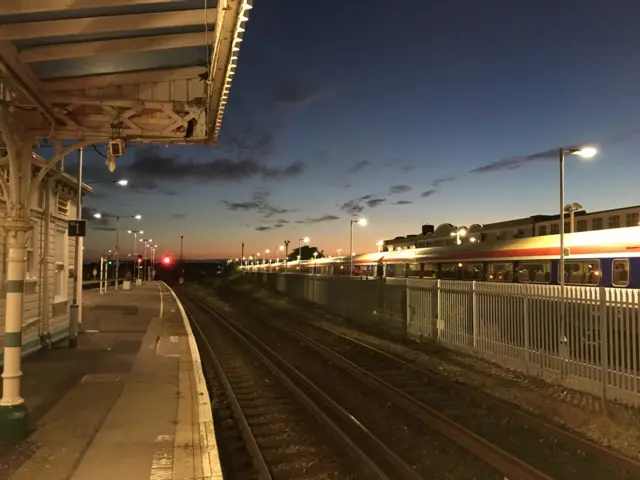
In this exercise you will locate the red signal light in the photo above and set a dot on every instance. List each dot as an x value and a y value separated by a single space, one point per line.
166 260
139 260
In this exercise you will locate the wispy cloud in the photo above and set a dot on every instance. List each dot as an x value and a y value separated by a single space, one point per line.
442 181
403 202
428 193
359 166
325 218
515 162
358 205
292 95
262 228
179 216
260 203
397 189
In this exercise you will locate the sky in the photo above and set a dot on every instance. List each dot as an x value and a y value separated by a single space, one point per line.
432 112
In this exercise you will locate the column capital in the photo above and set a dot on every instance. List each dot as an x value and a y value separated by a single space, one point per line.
16 224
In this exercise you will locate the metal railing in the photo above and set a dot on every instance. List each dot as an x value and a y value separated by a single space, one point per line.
587 339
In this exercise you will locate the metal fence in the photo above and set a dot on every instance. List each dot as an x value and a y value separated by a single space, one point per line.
585 338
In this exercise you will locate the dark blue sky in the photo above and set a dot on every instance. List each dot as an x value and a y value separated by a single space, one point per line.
336 102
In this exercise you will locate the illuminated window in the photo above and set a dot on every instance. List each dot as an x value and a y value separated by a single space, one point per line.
582 272
534 272
449 271
500 272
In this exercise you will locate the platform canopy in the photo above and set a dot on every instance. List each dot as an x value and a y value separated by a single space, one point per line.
142 70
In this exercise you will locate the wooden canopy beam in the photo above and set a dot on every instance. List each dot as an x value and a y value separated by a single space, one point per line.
101 47
17 7
114 23
117 79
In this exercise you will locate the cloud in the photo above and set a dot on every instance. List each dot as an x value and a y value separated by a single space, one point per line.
375 202
179 216
290 95
260 203
358 205
325 218
404 166
396 189
441 181
515 162
403 202
104 229
359 166
282 221
262 229
152 165
428 193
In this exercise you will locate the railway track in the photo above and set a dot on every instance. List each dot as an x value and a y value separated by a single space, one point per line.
514 442
263 395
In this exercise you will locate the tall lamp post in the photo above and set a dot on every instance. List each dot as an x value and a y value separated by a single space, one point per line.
300 240
117 251
135 245
362 222
586 152
286 254
459 233
145 263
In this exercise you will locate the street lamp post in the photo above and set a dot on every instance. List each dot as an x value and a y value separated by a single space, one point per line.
117 252
586 152
460 232
136 268
286 254
300 240
266 254
362 222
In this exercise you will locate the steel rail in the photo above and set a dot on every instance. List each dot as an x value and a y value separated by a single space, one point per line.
507 464
354 450
257 459
606 454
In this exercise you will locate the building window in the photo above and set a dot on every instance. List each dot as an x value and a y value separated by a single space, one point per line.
632 219
596 223
555 228
542 230
61 257
614 221
581 226
63 206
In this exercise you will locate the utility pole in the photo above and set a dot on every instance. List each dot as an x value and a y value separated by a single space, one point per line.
286 254
74 311
181 254
242 256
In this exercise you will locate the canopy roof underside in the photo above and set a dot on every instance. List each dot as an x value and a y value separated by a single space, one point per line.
141 70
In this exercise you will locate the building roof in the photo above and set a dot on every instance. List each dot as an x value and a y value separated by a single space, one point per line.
147 70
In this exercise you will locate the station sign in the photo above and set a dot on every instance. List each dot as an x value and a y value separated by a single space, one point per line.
77 228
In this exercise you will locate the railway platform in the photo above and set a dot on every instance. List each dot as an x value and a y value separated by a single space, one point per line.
129 403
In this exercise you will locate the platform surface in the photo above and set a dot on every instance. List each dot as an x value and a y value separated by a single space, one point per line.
129 403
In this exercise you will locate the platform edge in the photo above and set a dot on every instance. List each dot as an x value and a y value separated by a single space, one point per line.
211 468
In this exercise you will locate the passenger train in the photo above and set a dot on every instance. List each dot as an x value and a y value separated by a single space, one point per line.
609 258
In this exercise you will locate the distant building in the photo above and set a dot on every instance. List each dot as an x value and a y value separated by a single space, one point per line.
537 225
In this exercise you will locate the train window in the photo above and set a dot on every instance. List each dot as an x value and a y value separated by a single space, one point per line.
413 270
368 270
429 270
582 272
500 272
620 275
534 272
472 271
394 270
449 271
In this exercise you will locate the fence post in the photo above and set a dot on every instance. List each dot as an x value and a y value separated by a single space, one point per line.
436 330
474 314
525 316
604 345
